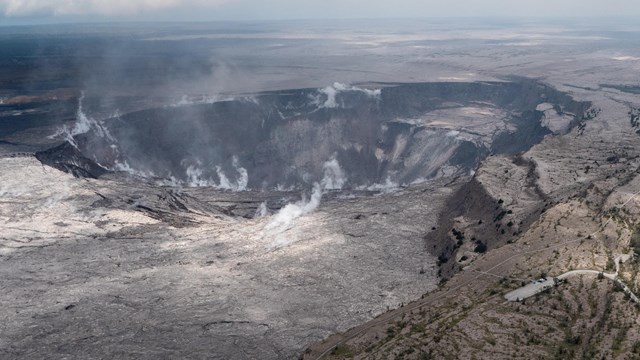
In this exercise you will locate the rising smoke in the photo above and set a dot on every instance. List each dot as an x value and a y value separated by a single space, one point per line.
196 178
241 182
187 100
124 166
331 93
194 170
283 219
387 187
83 125
262 210
334 179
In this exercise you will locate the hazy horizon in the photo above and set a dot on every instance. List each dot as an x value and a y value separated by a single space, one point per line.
36 12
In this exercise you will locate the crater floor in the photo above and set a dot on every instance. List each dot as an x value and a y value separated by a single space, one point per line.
116 268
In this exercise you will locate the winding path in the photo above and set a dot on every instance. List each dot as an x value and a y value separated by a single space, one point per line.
537 287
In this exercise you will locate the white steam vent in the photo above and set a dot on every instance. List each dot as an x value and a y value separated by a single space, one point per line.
196 176
84 123
331 93
334 179
334 176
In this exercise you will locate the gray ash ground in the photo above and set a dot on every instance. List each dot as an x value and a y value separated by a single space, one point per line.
118 268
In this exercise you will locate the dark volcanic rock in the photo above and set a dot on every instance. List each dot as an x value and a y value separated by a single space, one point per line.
67 158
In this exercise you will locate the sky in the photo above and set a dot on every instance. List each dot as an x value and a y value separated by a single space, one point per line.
15 12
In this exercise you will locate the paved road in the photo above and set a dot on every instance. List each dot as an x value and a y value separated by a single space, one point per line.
537 287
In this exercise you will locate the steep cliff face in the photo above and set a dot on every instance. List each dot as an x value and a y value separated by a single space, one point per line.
399 133
493 209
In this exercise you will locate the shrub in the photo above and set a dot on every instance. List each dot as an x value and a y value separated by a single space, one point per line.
391 332
459 235
635 239
342 350
573 339
480 247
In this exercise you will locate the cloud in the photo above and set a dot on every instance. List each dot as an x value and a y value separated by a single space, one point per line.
206 10
96 7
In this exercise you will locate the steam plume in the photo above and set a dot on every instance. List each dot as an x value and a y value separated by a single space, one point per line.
290 212
333 179
331 93
262 210
83 125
